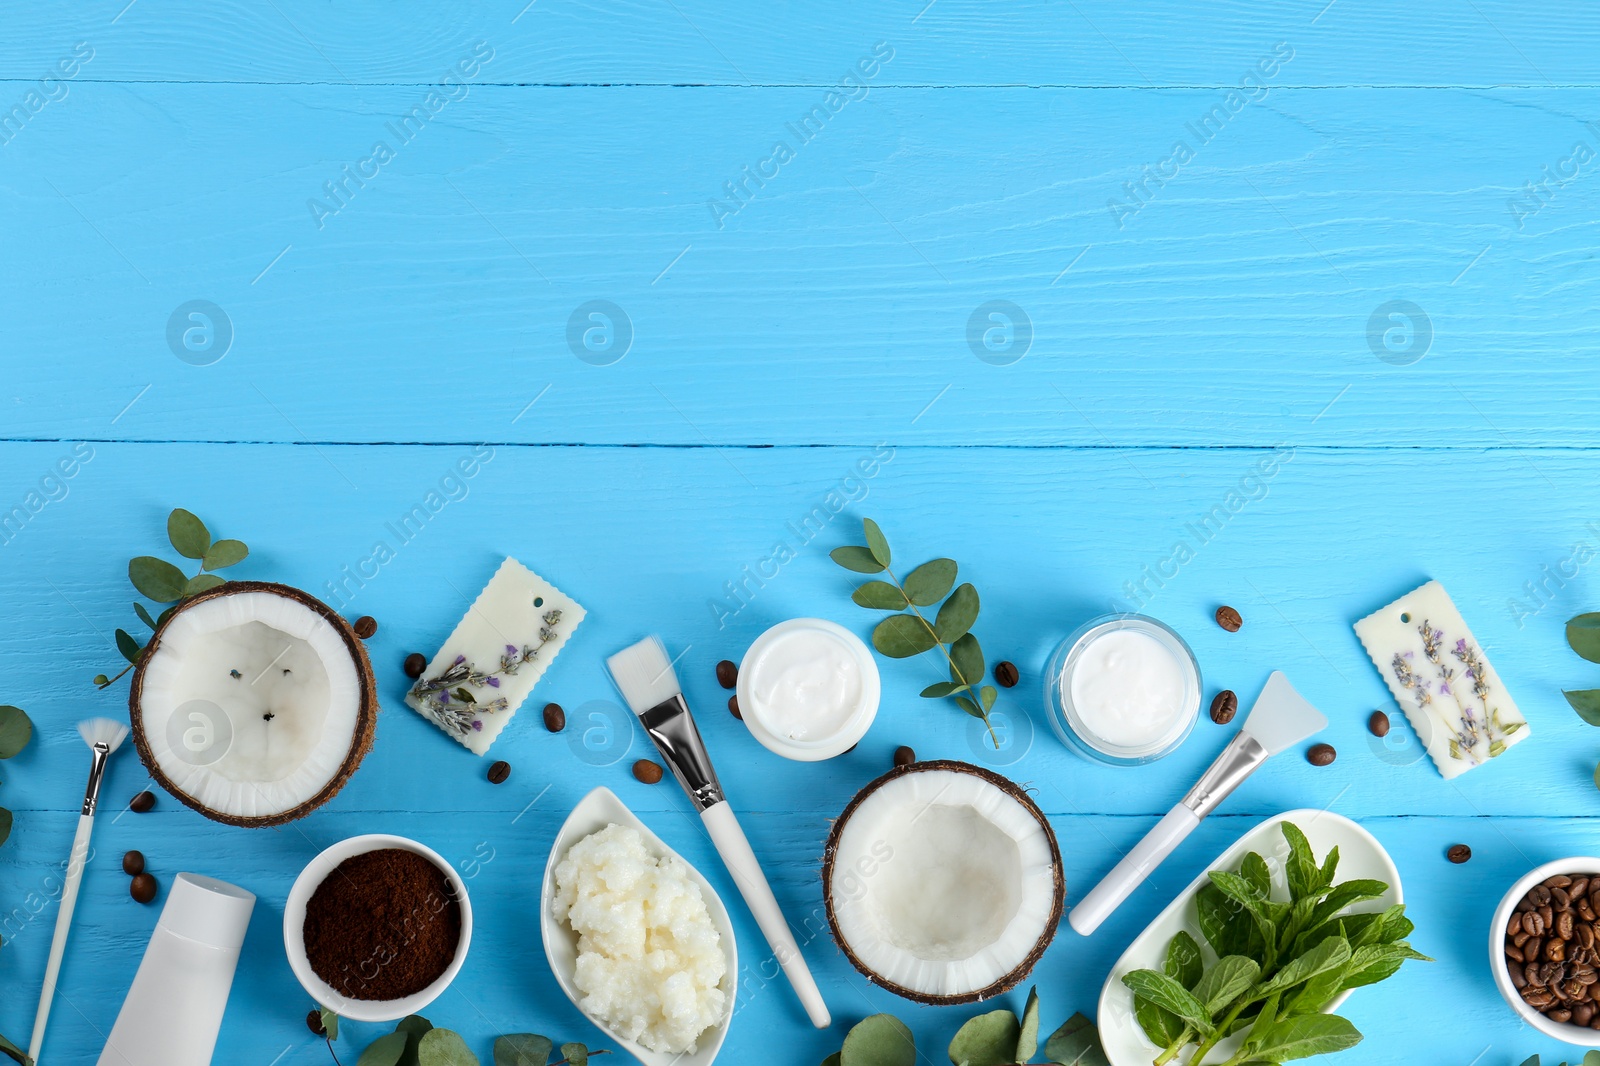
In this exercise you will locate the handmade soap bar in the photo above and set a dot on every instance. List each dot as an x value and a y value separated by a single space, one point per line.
1453 698
495 655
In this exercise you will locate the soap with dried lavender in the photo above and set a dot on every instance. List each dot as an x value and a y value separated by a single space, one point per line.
495 655
1440 677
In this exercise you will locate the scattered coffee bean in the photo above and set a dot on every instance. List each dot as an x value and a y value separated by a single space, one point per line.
499 772
366 626
733 708
1224 706
314 1022
1321 754
1006 674
415 664
1458 853
143 888
1229 619
727 674
1378 724
133 863
143 802
555 719
904 756
647 771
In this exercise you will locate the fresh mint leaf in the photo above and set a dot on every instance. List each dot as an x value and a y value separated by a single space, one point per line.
1168 994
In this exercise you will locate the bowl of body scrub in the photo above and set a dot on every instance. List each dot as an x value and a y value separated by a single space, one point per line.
808 689
376 927
1123 690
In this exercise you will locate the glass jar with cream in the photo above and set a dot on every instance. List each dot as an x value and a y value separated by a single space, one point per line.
808 689
1123 690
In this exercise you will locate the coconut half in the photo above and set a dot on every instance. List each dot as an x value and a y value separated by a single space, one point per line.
253 703
943 882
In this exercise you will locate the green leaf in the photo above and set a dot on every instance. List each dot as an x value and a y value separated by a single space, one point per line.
854 557
1227 927
1586 701
1076 1043
1301 867
957 614
879 596
987 1040
15 731
464 696
161 619
831 1060
966 704
156 579
144 615
5 824
330 1020
1266 1018
224 553
415 1027
986 696
879 1040
966 660
15 1052
1226 981
1028 1038
1300 1038
522 1049
877 544
1254 869
1344 895
1160 1025
1183 960
441 1047
930 582
901 636
1583 634
1591 1058
942 689
200 582
1330 863
386 1051
1167 993
128 646
575 1054
188 534
1330 954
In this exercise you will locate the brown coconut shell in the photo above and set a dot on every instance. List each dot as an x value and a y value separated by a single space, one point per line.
1010 788
366 717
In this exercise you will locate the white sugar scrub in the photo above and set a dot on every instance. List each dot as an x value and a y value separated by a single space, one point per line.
808 689
1123 689
650 962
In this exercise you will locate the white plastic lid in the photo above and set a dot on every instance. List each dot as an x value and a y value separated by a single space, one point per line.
208 911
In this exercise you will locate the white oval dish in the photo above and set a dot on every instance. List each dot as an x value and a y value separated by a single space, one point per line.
1563 1031
294 920
1360 856
593 813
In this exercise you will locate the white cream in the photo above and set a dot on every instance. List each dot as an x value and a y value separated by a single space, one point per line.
1128 689
808 689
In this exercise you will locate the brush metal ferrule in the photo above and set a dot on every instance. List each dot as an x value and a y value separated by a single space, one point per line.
672 728
91 795
1238 761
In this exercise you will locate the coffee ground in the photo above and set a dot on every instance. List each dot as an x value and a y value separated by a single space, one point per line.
383 925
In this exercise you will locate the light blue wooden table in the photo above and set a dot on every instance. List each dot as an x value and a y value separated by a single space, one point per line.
1197 218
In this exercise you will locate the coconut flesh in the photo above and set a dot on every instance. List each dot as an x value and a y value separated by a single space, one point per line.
943 883
253 704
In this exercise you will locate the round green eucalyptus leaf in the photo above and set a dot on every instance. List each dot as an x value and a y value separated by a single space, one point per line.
330 1022
1028 1037
966 657
522 1049
901 636
15 731
877 543
188 534
879 596
930 582
575 1054
5 824
156 578
224 553
386 1051
201 582
128 646
854 557
1583 634
957 614
987 695
987 1040
879 1040
1586 702
441 1047
144 615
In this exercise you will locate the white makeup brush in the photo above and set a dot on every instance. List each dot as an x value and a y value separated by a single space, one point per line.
104 736
644 676
1280 718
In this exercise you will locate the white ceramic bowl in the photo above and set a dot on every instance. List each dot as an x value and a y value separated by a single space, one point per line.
294 920
597 810
1360 856
1564 1031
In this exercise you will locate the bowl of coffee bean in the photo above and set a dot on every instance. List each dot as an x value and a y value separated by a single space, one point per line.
1544 949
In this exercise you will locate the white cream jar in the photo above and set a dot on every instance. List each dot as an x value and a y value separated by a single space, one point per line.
808 689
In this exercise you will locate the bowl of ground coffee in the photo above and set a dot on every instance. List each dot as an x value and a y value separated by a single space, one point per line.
376 927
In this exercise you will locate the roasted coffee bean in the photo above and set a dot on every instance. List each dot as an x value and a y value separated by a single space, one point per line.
555 719
1517 977
1562 1015
1224 706
1575 990
1555 950
1548 913
1533 923
1557 881
1514 953
1559 899
314 1022
1006 674
1585 975
143 888
1514 926
1585 934
133 863
727 674
647 771
1530 950
1321 754
1537 998
1540 894
904 756
1229 619
1578 888
1520 937
1564 925
1458 853
498 772
1378 724
733 708
415 664
1534 974
1583 1014
143 802
366 626
1585 911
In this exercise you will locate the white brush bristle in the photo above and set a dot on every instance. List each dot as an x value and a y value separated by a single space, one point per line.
107 731
1281 717
644 675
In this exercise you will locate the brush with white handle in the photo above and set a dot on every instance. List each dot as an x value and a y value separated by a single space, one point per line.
644 676
1280 718
104 736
